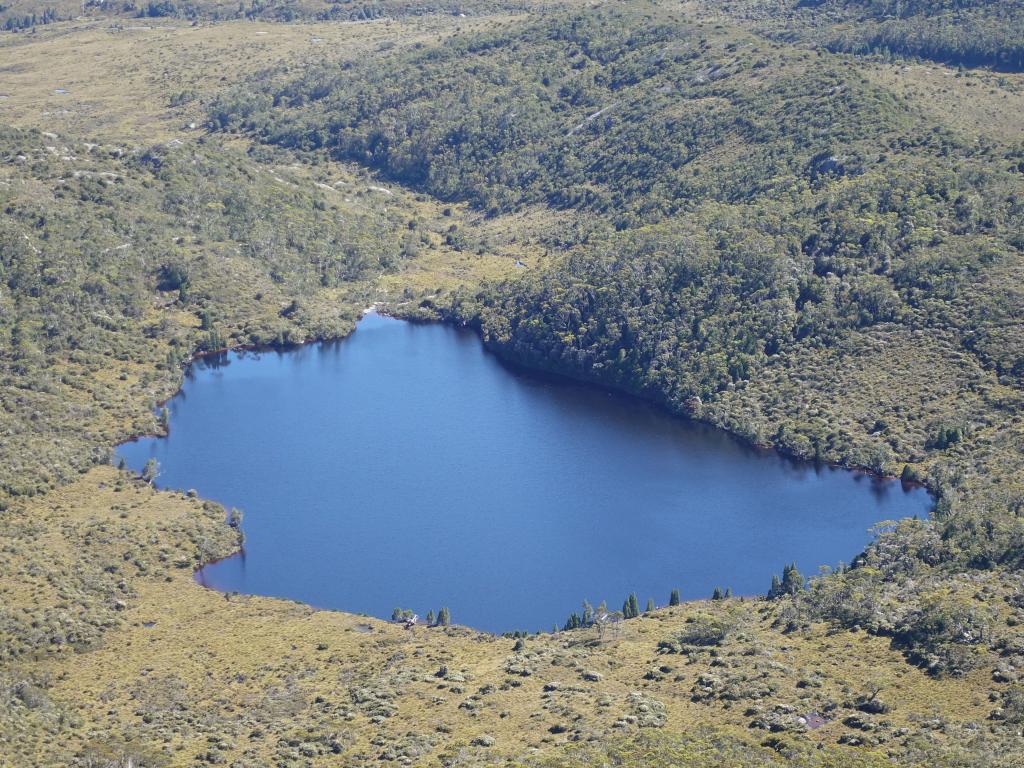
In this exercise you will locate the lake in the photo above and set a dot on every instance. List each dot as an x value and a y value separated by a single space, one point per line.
406 466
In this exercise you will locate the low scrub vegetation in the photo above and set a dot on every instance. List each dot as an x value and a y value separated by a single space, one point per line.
747 225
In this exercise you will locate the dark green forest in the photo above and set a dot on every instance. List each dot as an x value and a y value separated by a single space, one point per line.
969 33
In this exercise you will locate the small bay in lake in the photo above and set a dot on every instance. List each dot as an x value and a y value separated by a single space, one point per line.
406 466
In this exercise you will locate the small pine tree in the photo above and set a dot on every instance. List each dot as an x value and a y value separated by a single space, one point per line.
631 607
792 583
728 592
430 618
717 594
444 617
165 417
650 605
674 597
792 580
396 614
588 614
151 471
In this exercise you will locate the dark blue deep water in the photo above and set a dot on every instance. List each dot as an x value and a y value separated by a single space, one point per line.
405 466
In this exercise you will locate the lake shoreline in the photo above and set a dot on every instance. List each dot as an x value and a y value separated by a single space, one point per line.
515 366
539 368
520 364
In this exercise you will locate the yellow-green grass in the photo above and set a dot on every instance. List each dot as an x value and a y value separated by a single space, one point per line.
120 78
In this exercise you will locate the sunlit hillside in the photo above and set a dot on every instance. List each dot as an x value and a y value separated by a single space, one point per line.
802 223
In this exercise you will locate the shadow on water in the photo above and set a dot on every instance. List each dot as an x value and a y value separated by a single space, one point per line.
405 466
640 413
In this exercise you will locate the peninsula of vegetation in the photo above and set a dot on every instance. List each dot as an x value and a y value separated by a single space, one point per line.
802 222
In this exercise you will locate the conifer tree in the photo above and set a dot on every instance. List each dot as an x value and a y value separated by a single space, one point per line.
650 605
717 594
430 618
792 580
631 607
674 597
444 617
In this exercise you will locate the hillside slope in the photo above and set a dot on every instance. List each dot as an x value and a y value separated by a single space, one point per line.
968 33
814 249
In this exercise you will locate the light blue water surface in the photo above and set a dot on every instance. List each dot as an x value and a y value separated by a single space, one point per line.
405 466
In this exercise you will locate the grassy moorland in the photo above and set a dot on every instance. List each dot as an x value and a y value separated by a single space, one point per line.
23 15
814 245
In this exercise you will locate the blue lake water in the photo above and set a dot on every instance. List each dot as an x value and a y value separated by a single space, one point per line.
405 466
